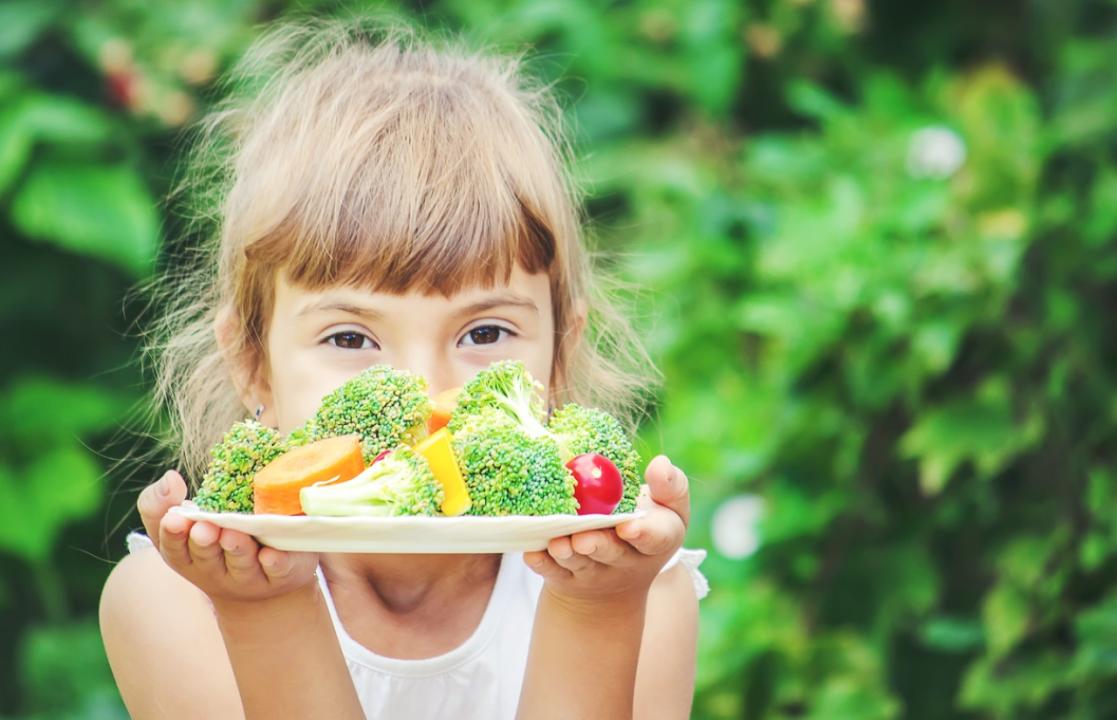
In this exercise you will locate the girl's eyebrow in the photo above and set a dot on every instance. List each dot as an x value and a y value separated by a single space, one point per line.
337 305
505 300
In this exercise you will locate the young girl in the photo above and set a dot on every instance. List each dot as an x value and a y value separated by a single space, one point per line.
390 202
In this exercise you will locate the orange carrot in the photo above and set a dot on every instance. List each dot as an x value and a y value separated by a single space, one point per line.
442 406
276 487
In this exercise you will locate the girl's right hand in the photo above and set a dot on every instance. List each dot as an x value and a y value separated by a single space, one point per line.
225 564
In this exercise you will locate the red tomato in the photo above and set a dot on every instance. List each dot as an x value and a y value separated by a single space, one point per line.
600 487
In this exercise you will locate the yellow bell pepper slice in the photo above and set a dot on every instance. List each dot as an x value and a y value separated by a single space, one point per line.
439 452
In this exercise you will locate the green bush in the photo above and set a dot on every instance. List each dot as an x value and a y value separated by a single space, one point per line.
872 245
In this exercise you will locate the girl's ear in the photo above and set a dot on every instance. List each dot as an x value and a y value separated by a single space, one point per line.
577 323
244 366
571 338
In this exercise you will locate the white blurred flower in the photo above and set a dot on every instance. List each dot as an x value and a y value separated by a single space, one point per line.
935 152
734 526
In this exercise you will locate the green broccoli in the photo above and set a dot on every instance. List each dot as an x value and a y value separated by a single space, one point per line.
385 406
401 483
508 387
580 429
244 450
505 394
509 472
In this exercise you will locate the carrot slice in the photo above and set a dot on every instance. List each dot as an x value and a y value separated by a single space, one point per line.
442 405
276 487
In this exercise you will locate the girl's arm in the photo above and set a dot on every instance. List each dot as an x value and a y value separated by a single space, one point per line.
261 645
665 675
602 593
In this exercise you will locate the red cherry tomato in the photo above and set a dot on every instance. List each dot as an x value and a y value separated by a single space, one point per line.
600 487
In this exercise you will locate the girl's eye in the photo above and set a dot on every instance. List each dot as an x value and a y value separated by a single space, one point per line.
350 340
484 335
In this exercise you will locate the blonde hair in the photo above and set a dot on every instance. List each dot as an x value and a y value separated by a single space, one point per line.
345 153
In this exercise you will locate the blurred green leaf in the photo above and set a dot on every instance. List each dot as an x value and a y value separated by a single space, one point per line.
813 101
66 674
952 634
1095 631
61 119
102 211
37 409
1006 616
981 429
16 141
37 500
21 21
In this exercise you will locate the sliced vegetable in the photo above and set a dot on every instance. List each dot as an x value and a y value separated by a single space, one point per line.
276 487
442 406
600 487
400 484
439 452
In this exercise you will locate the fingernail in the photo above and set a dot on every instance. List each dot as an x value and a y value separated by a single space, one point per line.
163 487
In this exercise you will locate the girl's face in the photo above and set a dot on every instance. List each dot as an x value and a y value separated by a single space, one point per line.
319 339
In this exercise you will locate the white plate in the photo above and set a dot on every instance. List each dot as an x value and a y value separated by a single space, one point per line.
465 534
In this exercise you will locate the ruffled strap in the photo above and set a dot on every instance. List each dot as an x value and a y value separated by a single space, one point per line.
691 559
137 541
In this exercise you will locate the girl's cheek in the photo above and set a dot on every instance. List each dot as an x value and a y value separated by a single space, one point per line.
298 389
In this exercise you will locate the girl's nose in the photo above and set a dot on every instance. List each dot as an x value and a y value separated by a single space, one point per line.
431 364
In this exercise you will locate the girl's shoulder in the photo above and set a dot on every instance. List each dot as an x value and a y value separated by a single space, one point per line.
150 614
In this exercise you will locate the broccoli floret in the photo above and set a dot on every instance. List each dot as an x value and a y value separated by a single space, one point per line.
302 435
399 484
385 406
509 472
246 448
580 429
505 386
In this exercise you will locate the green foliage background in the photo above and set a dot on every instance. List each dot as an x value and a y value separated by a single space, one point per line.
875 245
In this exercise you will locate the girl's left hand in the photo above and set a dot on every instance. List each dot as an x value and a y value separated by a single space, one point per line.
620 564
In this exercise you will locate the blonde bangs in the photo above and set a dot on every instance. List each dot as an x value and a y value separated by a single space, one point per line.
465 230
400 169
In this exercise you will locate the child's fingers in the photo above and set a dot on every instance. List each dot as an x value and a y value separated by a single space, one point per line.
668 486
156 498
600 546
658 532
563 553
545 566
173 531
205 553
241 559
280 565
275 563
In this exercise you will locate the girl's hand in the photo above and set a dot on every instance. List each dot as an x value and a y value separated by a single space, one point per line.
620 564
227 565
156 499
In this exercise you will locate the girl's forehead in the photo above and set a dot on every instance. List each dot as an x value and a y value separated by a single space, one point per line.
524 291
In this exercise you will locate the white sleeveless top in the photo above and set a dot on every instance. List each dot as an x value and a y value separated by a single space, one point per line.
480 678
